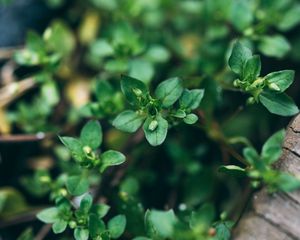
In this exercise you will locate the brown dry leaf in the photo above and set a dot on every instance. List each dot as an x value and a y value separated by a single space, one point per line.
78 92
42 162
89 27
189 43
5 125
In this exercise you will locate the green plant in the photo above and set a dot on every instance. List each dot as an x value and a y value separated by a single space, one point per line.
181 76
156 113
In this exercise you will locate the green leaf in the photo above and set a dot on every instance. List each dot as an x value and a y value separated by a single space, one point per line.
96 225
190 118
283 79
116 226
103 90
100 209
133 89
59 226
77 185
59 38
86 203
242 14
34 41
239 56
202 218
291 18
101 48
155 136
287 182
81 234
251 155
160 224
169 91
191 99
272 149
75 147
232 170
274 46
223 229
279 104
111 158
128 121
91 134
141 69
49 215
252 68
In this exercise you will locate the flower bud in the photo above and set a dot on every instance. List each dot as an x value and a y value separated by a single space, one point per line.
153 125
87 149
137 92
72 224
251 100
274 86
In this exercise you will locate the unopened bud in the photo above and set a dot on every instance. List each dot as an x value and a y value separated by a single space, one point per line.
72 224
137 91
212 232
45 179
274 86
87 149
236 83
63 192
153 125
251 100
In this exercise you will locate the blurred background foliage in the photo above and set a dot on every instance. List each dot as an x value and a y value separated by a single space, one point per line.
61 63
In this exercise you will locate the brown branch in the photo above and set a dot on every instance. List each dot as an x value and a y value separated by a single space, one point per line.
24 137
14 90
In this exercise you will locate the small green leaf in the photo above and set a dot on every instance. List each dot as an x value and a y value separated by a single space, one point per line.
291 18
202 218
283 79
96 225
75 147
49 215
86 203
190 118
251 155
252 68
103 90
223 229
179 114
116 226
242 14
133 89
111 158
141 69
77 185
34 41
274 46
81 234
169 91
158 135
128 121
191 99
240 54
160 224
272 149
100 209
91 134
59 226
279 104
232 170
287 182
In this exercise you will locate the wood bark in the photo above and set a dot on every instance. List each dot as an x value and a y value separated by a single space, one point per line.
276 216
